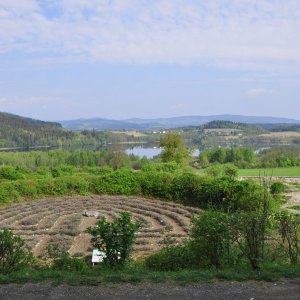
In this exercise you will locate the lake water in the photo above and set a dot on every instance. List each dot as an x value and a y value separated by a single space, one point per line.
149 152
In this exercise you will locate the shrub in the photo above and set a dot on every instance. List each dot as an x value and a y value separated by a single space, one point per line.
8 192
14 254
210 236
277 188
184 188
289 230
120 182
173 258
116 238
26 188
250 235
11 173
156 184
67 263
63 170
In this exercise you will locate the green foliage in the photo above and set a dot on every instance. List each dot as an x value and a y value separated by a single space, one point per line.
185 188
279 157
14 254
277 188
8 192
172 258
63 170
11 173
120 182
156 184
231 171
16 131
174 148
215 171
210 237
67 263
240 157
251 229
115 239
289 230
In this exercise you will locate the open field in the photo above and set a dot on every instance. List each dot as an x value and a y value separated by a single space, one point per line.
285 172
281 134
61 222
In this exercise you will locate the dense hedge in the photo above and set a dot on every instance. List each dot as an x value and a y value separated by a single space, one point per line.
182 187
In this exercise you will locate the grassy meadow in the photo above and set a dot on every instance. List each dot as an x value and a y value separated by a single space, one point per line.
286 172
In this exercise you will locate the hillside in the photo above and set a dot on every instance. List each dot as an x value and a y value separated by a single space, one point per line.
166 123
16 131
21 132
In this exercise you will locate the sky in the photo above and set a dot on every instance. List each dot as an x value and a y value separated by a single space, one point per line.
118 59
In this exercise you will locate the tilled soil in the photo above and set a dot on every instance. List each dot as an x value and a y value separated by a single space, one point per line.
62 222
286 290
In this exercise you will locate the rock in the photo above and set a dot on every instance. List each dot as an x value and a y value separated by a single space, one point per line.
91 213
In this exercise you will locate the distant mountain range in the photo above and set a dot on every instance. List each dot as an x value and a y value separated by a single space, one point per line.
167 123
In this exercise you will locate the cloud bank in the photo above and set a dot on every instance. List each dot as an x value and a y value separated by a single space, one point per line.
246 34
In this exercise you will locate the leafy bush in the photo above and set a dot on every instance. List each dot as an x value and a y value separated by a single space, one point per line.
115 239
67 263
63 170
14 254
120 182
289 230
11 173
210 236
8 192
277 188
250 234
26 188
173 258
184 188
156 184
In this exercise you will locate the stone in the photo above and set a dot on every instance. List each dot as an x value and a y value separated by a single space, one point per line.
91 213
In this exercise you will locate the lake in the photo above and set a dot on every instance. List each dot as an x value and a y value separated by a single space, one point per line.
150 152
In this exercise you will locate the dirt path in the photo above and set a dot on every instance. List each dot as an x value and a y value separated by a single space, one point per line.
293 199
285 290
82 241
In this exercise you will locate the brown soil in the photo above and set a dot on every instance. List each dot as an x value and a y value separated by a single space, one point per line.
63 220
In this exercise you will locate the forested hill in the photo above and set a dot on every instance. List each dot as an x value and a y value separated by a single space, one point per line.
21 132
15 122
16 131
220 124
228 124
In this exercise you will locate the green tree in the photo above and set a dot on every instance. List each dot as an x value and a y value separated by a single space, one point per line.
289 230
174 148
14 254
210 236
115 238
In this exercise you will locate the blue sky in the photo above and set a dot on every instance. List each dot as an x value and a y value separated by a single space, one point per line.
66 59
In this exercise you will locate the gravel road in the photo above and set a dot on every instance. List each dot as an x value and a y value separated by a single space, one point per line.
287 290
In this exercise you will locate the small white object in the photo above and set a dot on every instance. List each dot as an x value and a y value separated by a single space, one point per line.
98 256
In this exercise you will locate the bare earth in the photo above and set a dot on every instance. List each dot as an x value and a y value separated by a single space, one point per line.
293 200
61 222
286 290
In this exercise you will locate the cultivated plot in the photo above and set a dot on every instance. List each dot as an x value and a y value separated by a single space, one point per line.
62 223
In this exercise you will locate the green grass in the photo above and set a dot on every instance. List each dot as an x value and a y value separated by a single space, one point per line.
296 207
288 172
139 274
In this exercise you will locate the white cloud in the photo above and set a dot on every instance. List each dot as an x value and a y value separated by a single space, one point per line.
258 92
246 34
